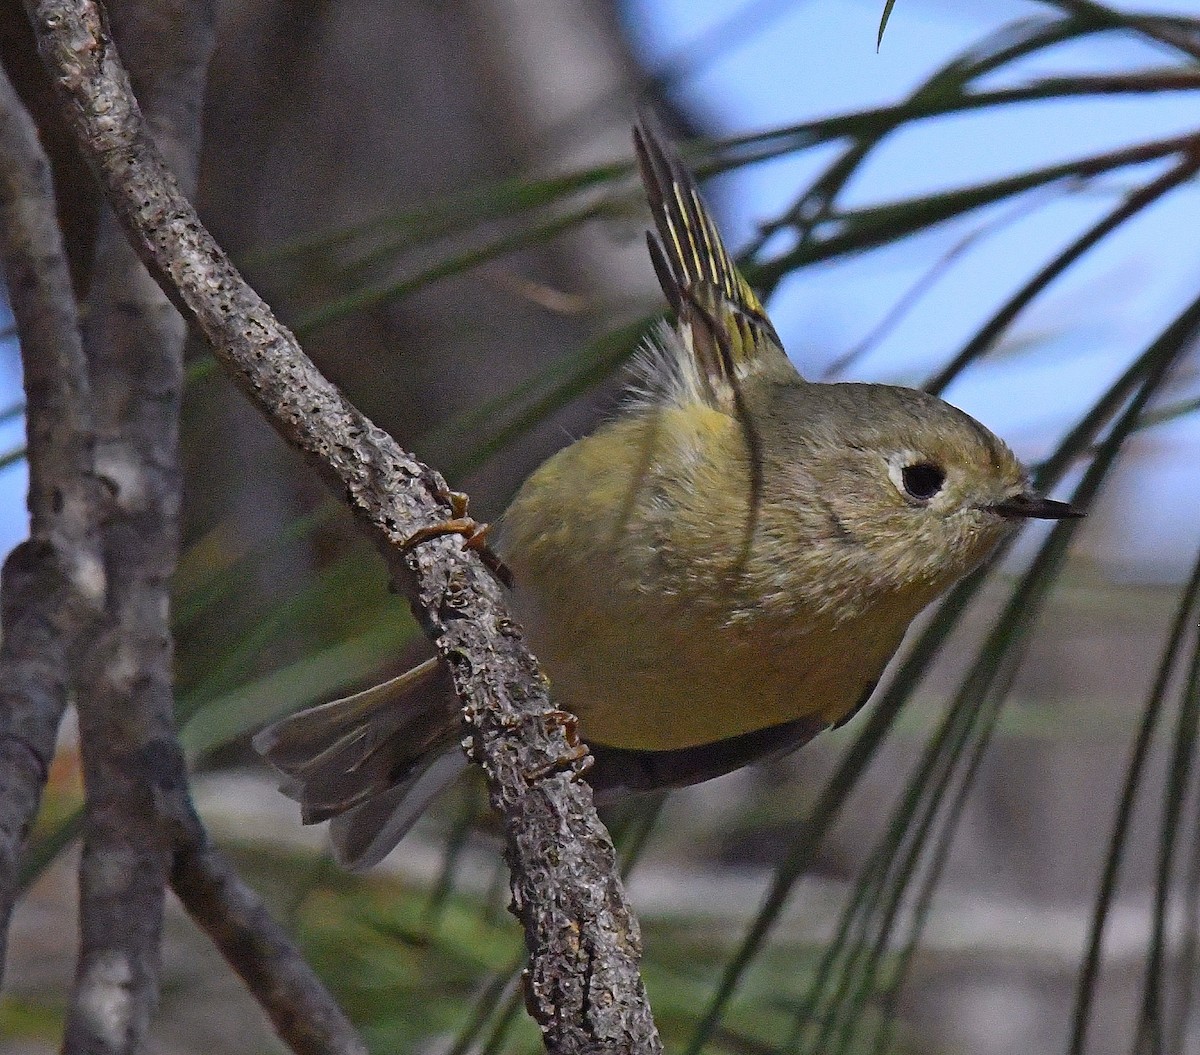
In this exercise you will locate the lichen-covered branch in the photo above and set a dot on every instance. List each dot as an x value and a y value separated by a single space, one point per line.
583 984
52 593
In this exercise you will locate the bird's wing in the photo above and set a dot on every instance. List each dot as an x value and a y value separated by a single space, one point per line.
617 771
720 321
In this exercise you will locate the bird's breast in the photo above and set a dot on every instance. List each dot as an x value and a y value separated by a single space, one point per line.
631 551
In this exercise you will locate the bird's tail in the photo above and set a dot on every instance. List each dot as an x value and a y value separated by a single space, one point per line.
372 762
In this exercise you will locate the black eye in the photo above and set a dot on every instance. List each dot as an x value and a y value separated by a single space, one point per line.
922 481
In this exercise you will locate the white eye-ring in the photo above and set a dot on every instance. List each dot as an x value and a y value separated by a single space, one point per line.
916 477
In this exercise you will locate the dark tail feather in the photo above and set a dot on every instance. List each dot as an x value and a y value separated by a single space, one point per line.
350 753
364 835
294 741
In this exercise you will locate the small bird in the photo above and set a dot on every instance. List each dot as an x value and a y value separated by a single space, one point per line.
711 578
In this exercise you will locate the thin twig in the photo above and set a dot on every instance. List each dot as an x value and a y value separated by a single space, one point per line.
53 584
582 987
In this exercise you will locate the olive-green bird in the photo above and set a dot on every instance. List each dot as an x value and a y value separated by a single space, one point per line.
711 578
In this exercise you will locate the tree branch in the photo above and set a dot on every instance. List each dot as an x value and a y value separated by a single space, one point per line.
133 767
583 985
235 918
53 589
54 585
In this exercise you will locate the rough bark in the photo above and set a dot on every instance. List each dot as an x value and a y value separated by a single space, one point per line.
133 767
52 594
54 591
583 987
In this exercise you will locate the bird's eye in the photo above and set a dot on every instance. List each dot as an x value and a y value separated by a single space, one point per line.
922 481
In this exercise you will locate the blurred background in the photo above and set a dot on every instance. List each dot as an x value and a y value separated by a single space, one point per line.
1001 855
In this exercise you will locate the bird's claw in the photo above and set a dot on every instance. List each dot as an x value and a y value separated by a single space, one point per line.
473 532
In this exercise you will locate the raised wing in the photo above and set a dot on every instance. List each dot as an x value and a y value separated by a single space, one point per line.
720 321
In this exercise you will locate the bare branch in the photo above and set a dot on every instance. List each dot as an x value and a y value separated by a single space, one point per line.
583 986
53 584
132 764
234 917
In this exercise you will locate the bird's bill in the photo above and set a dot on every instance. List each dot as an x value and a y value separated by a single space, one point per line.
1031 506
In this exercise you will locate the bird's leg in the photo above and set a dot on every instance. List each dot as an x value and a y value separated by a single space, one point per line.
473 532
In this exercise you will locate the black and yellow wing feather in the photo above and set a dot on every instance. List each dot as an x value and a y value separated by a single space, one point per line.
720 320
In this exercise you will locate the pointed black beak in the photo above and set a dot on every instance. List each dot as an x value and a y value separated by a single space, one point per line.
1034 507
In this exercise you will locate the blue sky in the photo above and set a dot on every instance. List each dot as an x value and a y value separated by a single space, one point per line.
14 522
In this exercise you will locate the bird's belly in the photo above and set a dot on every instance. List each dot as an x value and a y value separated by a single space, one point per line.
677 683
